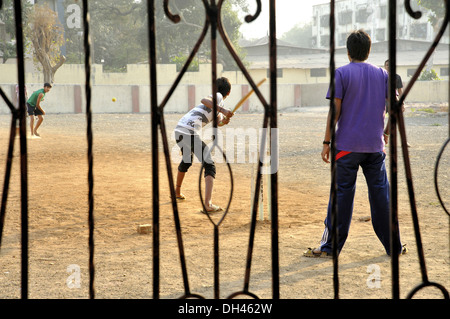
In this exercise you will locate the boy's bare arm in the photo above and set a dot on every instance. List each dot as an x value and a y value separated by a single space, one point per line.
222 120
38 103
326 147
207 101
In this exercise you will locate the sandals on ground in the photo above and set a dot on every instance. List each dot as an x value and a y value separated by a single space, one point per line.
316 253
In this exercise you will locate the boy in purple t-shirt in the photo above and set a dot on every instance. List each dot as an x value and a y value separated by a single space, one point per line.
361 90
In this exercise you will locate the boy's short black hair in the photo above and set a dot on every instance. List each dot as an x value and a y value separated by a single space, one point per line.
47 85
223 86
358 45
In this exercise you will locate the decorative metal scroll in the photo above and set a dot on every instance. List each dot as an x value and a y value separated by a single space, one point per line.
213 24
396 117
18 116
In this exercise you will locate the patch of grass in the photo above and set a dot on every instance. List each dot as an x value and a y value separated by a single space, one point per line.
427 110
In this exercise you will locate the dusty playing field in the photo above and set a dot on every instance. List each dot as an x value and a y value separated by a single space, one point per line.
58 215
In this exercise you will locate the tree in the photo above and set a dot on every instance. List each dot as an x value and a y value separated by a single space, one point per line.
437 11
173 39
299 35
47 36
429 75
120 32
436 18
7 37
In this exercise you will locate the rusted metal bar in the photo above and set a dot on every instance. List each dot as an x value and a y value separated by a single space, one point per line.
9 159
333 194
23 146
273 125
393 107
155 116
90 140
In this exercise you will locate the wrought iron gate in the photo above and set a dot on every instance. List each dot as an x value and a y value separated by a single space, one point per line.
214 25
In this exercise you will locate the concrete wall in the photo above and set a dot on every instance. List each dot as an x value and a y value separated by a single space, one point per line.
68 98
296 88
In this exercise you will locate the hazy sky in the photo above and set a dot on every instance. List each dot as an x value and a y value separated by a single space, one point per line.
289 13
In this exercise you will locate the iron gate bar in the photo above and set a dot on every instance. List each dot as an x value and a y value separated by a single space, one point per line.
12 136
274 175
90 156
267 114
213 19
333 169
402 130
154 113
9 158
436 186
394 109
227 42
18 115
176 19
23 147
396 115
212 16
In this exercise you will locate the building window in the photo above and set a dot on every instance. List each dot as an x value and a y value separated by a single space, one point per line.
362 15
342 39
345 17
444 72
419 30
383 12
325 21
318 73
279 73
325 41
381 34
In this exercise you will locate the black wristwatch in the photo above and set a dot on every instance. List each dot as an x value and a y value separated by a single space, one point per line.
325 142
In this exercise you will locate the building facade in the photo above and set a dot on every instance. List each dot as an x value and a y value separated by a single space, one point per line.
372 17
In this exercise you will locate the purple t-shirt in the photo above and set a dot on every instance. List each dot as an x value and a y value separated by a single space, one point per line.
363 89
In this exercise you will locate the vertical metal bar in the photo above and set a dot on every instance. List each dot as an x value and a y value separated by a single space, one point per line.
393 113
333 195
213 17
216 263
7 179
273 125
212 11
23 146
87 67
154 145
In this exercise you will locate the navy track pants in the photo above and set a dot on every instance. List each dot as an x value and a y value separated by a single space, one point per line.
374 169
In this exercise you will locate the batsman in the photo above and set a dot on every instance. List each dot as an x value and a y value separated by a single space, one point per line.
188 137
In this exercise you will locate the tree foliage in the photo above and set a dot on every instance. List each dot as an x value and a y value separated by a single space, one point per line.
8 38
429 75
437 8
299 35
180 38
47 36
120 32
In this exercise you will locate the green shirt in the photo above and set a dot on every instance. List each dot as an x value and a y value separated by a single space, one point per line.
34 97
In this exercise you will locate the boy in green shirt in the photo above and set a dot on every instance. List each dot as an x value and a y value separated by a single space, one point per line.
34 108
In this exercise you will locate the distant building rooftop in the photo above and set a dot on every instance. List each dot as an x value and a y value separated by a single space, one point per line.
409 52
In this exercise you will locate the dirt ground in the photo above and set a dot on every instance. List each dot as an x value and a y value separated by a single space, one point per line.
58 214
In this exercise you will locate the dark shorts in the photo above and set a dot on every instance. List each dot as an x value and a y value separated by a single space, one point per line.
33 110
191 145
